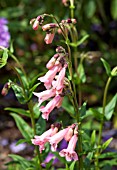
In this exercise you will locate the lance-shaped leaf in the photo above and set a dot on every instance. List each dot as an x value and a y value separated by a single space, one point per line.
79 42
107 66
3 60
24 128
19 111
19 93
109 110
81 73
22 161
105 144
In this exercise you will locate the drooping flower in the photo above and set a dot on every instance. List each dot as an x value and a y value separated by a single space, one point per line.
60 79
55 102
69 153
44 95
42 139
50 75
49 38
49 26
54 140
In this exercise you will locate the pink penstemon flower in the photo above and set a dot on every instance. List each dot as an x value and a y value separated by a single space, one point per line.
54 140
49 38
50 75
35 24
49 26
52 61
50 106
69 153
60 79
45 95
42 139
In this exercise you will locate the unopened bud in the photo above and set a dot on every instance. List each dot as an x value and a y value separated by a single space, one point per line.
60 49
51 63
69 134
35 24
49 26
76 130
5 89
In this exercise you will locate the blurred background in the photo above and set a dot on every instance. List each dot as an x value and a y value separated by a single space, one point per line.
98 18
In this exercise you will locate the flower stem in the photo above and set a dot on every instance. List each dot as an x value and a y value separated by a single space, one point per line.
30 106
102 122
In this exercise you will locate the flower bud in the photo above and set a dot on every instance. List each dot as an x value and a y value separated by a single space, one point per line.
5 89
69 134
60 49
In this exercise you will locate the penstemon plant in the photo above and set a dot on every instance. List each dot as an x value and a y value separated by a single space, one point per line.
62 82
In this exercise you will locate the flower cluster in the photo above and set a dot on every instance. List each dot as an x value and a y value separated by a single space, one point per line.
4 33
54 82
54 136
51 27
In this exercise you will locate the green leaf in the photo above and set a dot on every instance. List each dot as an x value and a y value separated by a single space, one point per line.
97 113
114 9
105 145
22 141
107 66
110 107
32 90
68 107
11 47
81 73
40 126
72 165
80 41
23 162
24 128
108 155
19 93
19 111
22 76
82 110
93 138
90 8
36 111
3 60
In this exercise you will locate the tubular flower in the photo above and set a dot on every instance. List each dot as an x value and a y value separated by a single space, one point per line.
49 26
49 38
55 102
60 80
42 96
41 140
49 76
54 140
69 153
54 81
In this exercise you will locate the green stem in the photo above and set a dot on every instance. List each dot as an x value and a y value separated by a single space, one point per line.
77 111
19 64
30 106
72 7
102 122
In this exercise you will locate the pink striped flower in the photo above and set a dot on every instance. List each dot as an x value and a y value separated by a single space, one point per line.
69 153
50 106
49 38
49 26
50 75
60 80
54 140
42 139
45 95
36 24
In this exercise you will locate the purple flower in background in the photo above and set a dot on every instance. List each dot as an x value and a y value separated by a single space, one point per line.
4 33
